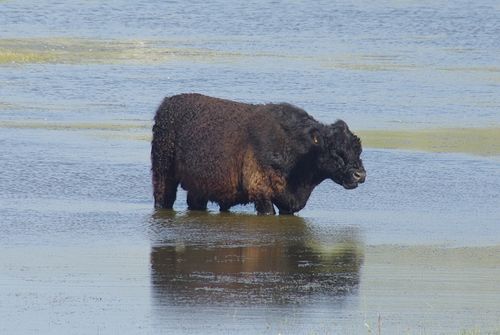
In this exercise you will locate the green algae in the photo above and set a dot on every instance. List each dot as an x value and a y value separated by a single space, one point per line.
81 51
24 56
477 141
105 126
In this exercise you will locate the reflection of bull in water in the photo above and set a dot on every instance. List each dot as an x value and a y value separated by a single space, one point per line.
237 259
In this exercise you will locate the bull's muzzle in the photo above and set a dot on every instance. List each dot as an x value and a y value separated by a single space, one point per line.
359 176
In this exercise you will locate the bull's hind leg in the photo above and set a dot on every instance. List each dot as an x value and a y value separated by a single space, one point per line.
225 206
196 203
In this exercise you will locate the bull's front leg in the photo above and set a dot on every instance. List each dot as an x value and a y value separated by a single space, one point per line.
288 206
264 207
293 199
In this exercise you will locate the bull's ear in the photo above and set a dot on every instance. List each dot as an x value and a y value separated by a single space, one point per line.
341 125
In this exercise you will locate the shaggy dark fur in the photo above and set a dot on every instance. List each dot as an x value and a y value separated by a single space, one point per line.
235 153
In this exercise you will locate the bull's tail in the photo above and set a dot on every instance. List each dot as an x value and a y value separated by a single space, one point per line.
163 158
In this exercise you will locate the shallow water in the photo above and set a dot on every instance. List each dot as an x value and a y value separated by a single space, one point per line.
80 241
414 250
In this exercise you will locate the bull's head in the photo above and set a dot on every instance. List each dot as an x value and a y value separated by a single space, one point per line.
340 158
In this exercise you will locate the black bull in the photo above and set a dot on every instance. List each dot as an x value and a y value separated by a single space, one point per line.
234 153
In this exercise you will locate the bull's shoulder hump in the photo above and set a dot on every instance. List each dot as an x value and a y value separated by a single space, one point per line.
285 112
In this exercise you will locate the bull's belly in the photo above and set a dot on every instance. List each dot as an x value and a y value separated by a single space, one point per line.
222 186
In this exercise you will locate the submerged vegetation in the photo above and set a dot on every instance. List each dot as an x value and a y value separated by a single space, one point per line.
104 126
477 141
24 56
81 50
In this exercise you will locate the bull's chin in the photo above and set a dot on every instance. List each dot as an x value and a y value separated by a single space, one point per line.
350 186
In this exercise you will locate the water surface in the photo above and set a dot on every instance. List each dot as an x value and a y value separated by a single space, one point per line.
414 250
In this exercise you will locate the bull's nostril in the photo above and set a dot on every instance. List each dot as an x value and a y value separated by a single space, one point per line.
359 175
